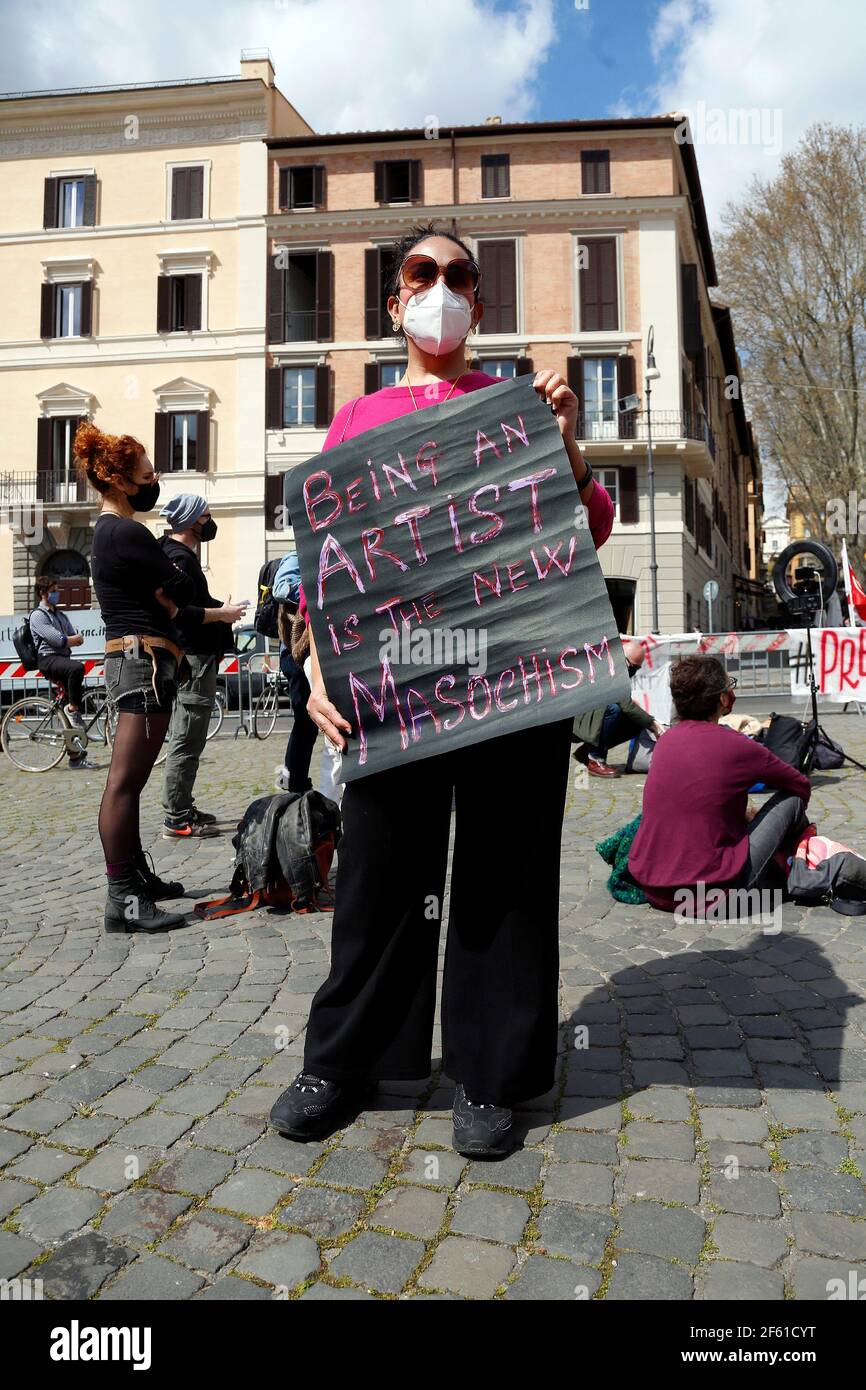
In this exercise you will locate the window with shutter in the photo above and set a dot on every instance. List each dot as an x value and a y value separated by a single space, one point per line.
324 295
691 311
595 171
495 175
323 397
298 403
187 193
90 201
46 318
498 262
599 305
276 295
273 499
49 203
274 398
574 377
377 321
87 309
625 384
193 303
628 495
397 180
201 461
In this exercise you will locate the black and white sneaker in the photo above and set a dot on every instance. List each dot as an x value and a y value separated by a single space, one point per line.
481 1130
312 1107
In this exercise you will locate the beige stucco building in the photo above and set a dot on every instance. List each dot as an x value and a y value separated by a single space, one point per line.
132 249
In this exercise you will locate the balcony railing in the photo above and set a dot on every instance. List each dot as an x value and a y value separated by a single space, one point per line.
53 489
666 424
299 325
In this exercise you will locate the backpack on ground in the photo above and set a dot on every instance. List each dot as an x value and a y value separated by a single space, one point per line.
284 848
265 620
795 743
640 752
829 754
824 871
25 645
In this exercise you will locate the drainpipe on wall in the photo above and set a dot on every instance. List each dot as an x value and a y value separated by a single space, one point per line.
453 182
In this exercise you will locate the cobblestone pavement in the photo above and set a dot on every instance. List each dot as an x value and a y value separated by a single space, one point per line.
708 1144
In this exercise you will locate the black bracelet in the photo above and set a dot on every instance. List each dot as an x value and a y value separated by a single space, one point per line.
587 478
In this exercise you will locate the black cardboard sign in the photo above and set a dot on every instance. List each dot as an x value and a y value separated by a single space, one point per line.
453 585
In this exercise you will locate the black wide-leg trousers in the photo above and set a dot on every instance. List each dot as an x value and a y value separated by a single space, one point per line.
372 1019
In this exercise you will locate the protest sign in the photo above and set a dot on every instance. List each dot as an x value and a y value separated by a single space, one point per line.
451 579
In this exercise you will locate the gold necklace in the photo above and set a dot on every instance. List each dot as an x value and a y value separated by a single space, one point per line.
444 398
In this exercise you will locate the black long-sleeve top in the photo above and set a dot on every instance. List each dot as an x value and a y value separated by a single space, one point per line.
205 639
128 565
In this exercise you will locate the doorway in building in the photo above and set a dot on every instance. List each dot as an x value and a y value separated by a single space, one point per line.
621 595
71 574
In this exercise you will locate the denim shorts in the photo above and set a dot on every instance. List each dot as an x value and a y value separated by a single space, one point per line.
135 686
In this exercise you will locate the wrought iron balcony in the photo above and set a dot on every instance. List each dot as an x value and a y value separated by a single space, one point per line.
61 489
299 325
666 424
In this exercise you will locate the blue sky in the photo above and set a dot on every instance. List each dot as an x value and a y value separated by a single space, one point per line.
599 58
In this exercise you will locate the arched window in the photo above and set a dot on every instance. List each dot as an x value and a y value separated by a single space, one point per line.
71 572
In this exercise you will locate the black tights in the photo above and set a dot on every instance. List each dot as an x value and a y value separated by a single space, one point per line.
137 742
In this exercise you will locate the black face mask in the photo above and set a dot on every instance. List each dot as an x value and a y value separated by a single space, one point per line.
146 498
208 530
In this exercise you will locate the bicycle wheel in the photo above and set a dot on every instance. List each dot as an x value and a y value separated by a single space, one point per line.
217 714
32 734
265 711
96 705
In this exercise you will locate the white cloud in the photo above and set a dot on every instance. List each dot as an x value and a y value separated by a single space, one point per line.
344 64
793 60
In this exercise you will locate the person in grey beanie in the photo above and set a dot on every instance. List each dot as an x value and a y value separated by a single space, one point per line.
205 626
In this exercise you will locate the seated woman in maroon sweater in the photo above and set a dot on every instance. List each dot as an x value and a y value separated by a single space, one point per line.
695 828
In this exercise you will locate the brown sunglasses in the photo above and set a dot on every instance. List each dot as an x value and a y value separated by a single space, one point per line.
421 273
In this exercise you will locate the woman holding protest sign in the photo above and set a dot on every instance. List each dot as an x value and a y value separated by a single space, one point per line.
373 1017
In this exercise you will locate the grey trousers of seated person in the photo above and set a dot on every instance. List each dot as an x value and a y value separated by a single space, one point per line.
771 828
187 734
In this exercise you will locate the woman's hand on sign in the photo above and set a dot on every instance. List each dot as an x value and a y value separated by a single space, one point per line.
326 716
557 393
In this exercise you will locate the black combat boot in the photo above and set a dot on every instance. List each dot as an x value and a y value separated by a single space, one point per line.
128 908
155 887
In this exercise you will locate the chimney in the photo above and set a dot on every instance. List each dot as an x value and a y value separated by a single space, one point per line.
257 62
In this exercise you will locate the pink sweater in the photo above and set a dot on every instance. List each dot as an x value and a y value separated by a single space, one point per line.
366 412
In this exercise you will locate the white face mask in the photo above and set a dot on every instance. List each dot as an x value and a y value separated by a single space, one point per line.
437 319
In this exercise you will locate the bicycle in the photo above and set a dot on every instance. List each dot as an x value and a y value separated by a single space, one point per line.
267 705
37 733
217 715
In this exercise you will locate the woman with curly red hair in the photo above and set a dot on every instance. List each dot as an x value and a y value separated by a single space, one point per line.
139 592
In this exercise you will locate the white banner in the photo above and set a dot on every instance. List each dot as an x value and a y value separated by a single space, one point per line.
839 658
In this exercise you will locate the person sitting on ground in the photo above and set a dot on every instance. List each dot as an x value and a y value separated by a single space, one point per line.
607 726
54 635
695 826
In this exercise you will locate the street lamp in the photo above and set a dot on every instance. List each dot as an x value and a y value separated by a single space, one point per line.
652 374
